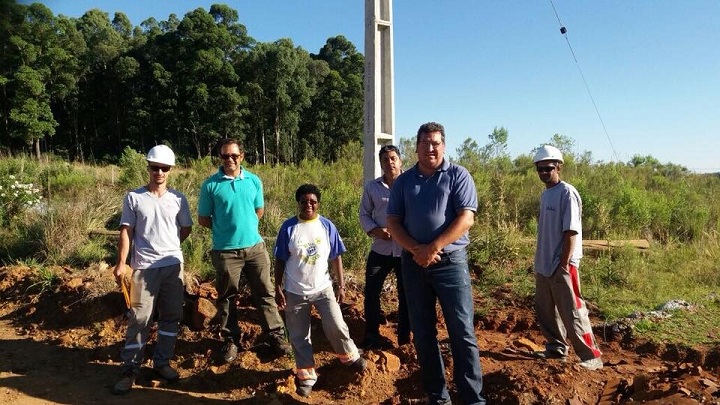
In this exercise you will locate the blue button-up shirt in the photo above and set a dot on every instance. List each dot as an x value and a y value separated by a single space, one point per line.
373 214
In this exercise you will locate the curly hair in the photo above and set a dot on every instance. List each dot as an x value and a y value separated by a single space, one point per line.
307 189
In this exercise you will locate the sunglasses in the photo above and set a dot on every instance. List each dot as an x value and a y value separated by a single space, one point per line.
545 169
226 156
308 202
160 168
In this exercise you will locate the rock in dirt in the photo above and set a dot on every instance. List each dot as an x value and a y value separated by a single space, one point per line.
388 362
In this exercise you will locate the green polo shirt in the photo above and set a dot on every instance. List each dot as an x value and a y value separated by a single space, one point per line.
231 202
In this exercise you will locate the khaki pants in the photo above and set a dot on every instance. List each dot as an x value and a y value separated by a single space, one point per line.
254 261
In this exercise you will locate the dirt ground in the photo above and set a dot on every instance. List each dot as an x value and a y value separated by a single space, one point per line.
62 346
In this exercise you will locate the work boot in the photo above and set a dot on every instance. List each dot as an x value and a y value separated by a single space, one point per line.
125 383
167 372
548 354
279 344
229 351
358 365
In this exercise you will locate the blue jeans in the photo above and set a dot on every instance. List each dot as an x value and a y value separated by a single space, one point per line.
449 282
377 269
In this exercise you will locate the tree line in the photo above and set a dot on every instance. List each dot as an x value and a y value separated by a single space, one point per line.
85 88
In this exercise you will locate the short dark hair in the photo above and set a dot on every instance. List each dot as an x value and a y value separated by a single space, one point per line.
430 127
307 189
231 141
388 148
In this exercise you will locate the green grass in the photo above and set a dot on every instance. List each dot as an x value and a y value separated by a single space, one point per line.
679 215
44 278
691 327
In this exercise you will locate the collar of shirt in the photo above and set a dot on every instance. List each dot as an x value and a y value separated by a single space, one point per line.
222 174
444 166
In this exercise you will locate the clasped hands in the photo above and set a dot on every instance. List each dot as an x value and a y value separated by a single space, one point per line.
425 255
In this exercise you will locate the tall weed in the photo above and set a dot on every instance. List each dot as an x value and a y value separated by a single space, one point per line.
134 169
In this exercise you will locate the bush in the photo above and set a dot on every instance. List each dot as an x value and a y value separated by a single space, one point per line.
134 169
16 197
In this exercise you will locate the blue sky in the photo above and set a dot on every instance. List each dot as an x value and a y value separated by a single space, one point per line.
652 67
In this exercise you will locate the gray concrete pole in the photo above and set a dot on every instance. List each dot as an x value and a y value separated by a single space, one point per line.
379 120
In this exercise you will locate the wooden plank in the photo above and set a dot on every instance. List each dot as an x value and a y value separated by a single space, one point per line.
641 244
604 244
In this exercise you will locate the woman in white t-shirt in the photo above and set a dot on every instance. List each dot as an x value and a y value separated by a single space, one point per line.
305 245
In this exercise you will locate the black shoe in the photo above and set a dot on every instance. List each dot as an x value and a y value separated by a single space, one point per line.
125 383
279 344
359 365
167 372
229 351
548 354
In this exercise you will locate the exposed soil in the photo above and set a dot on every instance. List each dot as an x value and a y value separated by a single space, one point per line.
62 346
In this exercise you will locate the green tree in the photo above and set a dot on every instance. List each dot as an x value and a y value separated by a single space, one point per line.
100 107
335 115
279 86
30 113
469 154
408 148
44 72
204 47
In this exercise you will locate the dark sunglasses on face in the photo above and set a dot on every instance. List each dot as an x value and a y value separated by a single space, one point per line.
308 202
160 169
545 169
226 156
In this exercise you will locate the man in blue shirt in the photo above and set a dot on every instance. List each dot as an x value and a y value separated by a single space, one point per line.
231 203
432 206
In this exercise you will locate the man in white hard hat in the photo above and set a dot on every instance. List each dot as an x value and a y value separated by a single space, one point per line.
231 204
155 221
561 310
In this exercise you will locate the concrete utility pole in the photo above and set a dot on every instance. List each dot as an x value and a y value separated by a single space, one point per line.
379 123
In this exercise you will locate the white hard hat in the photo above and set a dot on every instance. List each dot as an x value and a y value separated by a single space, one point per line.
548 152
161 154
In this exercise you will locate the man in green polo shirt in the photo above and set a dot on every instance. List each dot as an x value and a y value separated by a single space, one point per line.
231 203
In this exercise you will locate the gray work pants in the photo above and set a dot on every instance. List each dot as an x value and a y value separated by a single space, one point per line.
158 288
297 317
561 313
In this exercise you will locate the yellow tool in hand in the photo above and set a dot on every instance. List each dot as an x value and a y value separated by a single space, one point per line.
125 285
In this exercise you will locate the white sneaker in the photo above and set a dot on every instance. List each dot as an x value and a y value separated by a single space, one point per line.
592 364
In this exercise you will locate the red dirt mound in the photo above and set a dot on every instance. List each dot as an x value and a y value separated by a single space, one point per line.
60 344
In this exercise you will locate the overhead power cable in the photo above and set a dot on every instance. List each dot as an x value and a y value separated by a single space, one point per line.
563 31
